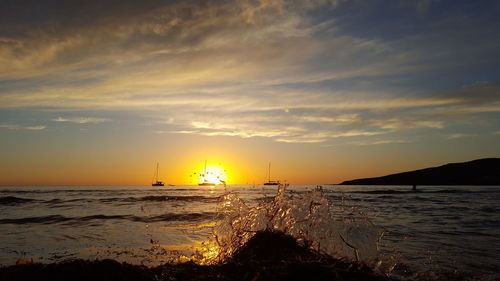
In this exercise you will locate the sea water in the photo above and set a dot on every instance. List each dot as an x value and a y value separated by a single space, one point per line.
436 228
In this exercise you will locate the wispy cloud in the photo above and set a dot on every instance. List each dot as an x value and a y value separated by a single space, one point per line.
404 123
460 136
380 142
302 118
345 118
324 136
19 127
278 129
81 120
244 69
301 140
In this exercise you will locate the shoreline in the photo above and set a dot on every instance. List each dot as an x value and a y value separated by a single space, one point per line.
266 256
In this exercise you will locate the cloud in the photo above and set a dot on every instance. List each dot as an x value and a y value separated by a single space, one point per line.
380 142
460 136
65 41
324 136
345 118
314 116
278 129
81 120
237 68
301 140
243 129
177 132
406 123
19 127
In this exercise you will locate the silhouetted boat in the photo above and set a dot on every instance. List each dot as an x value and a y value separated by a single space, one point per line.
269 181
205 182
156 182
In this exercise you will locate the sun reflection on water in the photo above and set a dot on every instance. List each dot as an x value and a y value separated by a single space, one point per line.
207 253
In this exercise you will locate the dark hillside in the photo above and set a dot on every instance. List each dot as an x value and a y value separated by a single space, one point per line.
478 172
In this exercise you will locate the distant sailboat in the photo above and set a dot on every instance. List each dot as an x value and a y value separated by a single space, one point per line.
205 182
156 182
269 181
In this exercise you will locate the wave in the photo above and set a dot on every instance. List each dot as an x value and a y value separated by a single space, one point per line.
12 200
175 198
160 199
61 201
54 219
383 191
334 229
100 191
420 190
63 191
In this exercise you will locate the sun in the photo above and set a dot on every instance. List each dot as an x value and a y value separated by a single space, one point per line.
215 174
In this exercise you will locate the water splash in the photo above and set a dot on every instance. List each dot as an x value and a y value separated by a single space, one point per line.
333 228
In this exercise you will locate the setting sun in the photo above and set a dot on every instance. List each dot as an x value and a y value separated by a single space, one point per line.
211 174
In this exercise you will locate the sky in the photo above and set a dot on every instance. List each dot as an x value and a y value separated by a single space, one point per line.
97 92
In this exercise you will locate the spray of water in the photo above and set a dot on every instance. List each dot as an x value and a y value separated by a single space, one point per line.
332 228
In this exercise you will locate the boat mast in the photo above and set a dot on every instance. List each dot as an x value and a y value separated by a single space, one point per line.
269 172
205 172
156 175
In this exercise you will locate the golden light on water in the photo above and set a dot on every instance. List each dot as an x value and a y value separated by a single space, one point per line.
207 253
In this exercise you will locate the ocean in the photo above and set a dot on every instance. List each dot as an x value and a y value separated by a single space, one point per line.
434 229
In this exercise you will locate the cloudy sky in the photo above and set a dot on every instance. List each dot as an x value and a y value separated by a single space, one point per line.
97 92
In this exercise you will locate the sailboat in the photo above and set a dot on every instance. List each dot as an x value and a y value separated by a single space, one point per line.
269 181
205 182
156 182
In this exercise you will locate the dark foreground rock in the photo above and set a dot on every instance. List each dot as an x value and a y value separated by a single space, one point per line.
267 256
